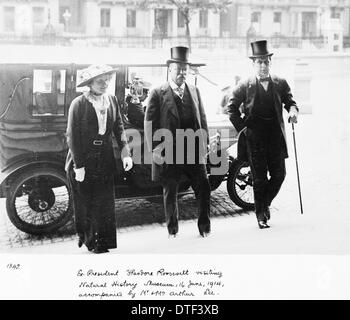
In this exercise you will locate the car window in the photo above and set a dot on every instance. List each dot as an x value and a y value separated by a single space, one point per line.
49 88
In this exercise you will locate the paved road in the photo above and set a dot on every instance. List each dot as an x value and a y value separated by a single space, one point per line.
131 215
323 150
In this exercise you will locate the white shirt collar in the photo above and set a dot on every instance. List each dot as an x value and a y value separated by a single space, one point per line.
100 104
258 77
174 86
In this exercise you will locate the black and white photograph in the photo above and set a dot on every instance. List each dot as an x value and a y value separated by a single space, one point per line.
174 150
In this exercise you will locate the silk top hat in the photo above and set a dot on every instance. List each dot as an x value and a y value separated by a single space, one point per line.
259 49
92 72
179 54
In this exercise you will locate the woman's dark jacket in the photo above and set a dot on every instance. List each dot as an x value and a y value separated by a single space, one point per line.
82 130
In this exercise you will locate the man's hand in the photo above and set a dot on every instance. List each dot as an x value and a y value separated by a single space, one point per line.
293 115
127 163
79 174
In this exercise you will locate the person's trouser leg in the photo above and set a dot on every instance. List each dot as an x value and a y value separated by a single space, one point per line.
197 175
170 185
276 167
256 149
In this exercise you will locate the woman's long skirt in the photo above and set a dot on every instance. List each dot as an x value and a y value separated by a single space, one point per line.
94 207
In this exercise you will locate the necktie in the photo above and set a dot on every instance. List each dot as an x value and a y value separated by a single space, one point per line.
180 92
264 79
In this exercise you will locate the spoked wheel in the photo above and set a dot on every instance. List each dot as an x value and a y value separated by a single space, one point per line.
38 202
240 185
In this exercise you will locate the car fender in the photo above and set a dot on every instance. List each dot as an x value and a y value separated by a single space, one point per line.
14 169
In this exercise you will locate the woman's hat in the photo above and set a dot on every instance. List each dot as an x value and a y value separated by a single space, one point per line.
179 54
259 49
92 72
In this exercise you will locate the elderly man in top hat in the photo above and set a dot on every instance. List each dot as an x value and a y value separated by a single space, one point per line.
262 138
176 107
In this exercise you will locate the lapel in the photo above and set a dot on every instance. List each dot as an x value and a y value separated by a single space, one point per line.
276 96
195 103
168 99
90 113
170 104
251 90
110 120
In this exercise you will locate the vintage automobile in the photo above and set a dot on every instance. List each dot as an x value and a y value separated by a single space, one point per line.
34 102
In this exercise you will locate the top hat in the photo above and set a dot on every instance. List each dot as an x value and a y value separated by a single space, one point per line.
179 54
259 49
90 73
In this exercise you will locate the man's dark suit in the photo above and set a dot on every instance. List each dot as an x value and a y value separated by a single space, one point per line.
163 112
262 141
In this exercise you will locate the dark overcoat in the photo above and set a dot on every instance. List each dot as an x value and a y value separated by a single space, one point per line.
162 113
244 94
82 129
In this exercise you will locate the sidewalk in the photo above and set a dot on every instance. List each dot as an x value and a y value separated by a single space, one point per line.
322 229
323 142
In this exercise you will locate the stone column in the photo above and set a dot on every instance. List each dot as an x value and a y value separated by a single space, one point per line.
174 31
299 24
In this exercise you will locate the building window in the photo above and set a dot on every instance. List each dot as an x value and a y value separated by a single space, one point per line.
255 17
38 15
180 19
105 18
9 19
203 18
308 24
335 13
131 18
277 17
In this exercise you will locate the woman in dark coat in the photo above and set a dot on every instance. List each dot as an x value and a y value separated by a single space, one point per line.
93 117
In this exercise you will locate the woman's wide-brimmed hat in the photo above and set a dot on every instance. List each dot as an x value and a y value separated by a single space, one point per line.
179 55
259 49
92 72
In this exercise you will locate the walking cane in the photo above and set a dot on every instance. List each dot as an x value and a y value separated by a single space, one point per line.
296 162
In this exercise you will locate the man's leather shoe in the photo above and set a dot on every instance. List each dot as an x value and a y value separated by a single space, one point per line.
173 230
80 243
204 228
263 225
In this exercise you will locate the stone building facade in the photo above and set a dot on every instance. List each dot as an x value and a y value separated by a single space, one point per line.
117 18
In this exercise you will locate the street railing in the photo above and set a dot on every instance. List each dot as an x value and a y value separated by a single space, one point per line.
197 42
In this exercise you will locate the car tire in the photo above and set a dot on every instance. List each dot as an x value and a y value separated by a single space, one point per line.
39 201
239 181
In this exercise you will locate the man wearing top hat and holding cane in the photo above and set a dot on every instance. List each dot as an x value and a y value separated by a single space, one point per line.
176 108
262 137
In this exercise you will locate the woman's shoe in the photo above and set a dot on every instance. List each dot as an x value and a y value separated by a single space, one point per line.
100 250
263 225
80 243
